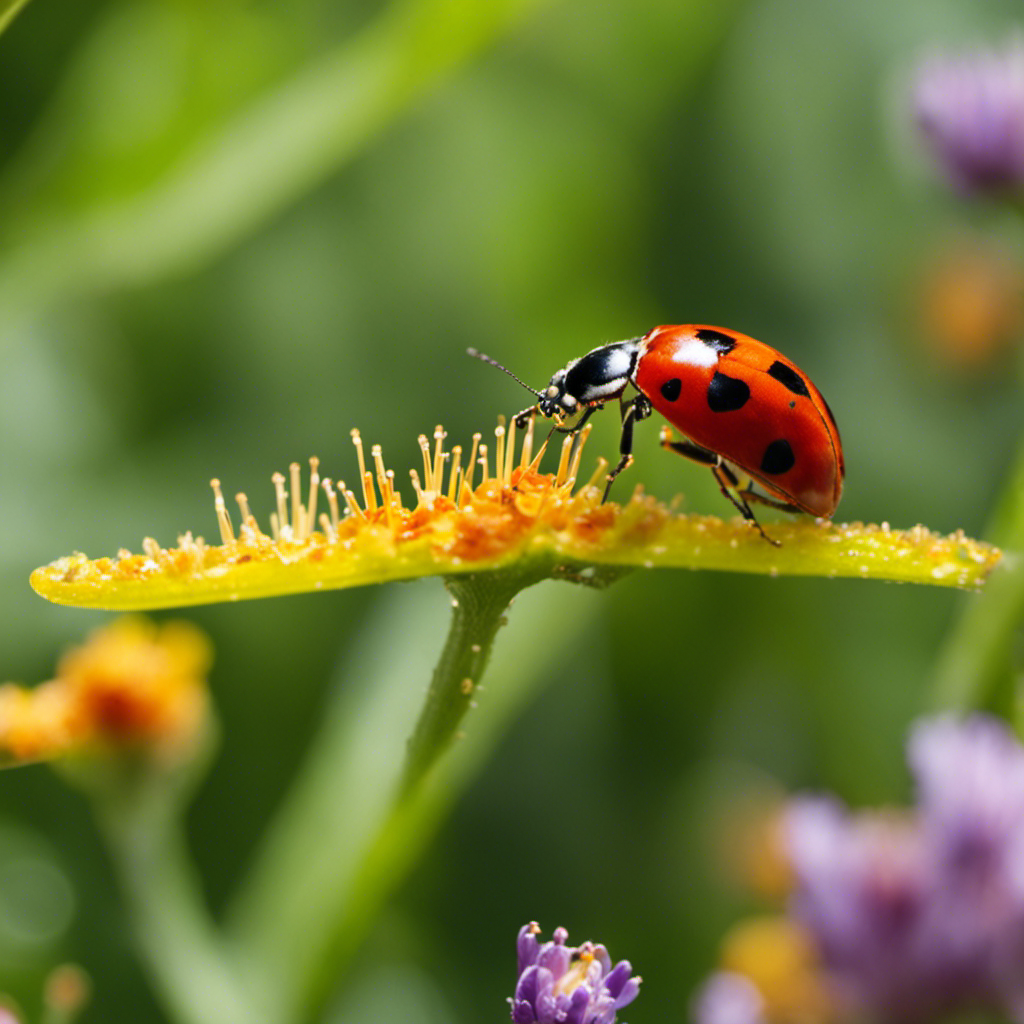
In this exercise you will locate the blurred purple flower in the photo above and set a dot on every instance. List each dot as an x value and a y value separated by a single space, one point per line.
729 998
861 892
970 108
915 916
560 984
970 777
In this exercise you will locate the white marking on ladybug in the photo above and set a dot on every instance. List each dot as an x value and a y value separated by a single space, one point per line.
695 352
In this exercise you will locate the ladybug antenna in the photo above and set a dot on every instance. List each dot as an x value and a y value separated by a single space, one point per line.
494 362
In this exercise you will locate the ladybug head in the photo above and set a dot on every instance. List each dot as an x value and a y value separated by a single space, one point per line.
555 399
602 374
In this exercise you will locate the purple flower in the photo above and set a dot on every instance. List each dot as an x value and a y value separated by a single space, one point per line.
560 984
916 915
861 892
970 108
729 998
970 780
970 777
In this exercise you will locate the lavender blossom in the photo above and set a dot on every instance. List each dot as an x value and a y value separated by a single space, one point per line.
970 777
970 108
917 915
862 894
560 984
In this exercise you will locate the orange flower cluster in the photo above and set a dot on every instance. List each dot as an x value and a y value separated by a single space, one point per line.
133 686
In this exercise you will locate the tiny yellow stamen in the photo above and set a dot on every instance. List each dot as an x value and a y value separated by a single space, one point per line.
456 472
483 465
499 450
382 480
527 454
563 461
369 498
227 534
438 481
369 493
393 492
358 442
243 507
580 440
428 469
332 501
295 482
328 527
350 500
506 476
467 483
314 489
534 466
281 496
421 500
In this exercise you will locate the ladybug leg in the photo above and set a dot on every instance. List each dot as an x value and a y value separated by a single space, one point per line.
688 449
728 480
631 412
749 494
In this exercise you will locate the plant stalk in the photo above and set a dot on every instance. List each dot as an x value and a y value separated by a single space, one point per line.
976 667
479 603
180 944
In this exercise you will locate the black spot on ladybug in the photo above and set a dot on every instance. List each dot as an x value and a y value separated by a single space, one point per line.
671 389
789 378
727 394
720 342
778 457
792 405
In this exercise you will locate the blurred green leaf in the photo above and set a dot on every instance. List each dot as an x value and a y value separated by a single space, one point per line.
237 176
979 663
9 11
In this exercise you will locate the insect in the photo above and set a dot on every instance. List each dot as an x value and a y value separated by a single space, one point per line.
746 412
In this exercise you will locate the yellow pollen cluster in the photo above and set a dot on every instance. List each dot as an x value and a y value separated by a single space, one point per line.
479 510
376 499
577 973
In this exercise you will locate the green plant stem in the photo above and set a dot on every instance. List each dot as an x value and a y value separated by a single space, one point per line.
180 944
976 664
479 603
357 822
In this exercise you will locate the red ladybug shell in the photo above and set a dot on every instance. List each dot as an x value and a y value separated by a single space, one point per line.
744 401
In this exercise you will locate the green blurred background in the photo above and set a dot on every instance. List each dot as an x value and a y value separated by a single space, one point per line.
230 231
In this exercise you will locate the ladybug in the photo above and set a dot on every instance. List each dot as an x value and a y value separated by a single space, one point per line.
745 410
